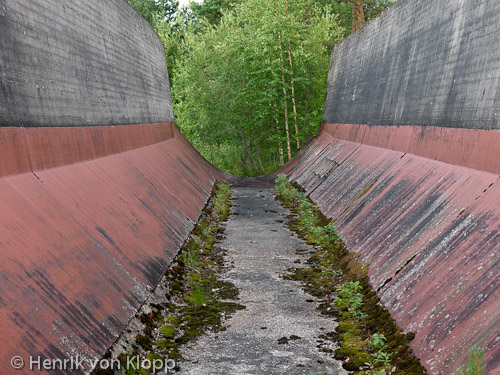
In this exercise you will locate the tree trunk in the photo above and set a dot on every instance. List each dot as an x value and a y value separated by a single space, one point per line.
293 97
257 152
249 158
282 161
288 148
358 15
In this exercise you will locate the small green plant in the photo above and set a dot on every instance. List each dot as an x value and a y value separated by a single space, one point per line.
378 341
220 201
126 369
326 236
197 294
330 272
309 215
286 191
377 372
311 372
381 358
190 256
476 365
350 298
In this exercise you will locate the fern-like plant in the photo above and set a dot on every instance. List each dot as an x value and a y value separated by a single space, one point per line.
476 365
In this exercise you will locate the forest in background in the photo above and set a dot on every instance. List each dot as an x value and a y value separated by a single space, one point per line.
248 77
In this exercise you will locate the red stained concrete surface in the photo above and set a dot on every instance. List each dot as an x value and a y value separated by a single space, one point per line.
405 199
472 148
87 233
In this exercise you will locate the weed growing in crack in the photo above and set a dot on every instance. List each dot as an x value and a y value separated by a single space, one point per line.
349 298
311 372
381 358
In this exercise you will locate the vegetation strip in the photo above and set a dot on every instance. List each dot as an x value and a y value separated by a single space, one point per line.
248 77
193 299
370 341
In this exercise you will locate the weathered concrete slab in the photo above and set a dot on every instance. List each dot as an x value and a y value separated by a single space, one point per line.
472 148
33 149
80 63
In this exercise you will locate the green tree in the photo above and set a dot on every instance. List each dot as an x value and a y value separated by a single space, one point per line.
212 10
354 14
255 83
152 10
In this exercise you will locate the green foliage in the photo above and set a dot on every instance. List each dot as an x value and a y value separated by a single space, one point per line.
373 8
309 215
328 271
344 10
325 235
190 256
381 358
211 10
377 372
221 202
152 10
229 62
128 370
364 354
228 88
350 298
197 294
378 341
285 191
476 365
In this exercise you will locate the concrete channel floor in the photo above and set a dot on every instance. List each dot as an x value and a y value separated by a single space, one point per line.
261 249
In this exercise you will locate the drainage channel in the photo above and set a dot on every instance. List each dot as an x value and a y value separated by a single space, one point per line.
280 331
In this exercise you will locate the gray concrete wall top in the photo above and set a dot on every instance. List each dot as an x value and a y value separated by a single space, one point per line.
80 62
425 62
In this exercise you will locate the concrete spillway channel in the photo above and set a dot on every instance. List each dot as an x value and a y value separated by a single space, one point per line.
279 330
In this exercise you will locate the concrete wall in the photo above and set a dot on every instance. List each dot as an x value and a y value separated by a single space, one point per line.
407 163
425 62
91 215
84 242
430 233
73 63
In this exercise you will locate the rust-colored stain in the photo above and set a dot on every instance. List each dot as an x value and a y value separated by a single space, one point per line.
83 244
429 229
33 149
472 148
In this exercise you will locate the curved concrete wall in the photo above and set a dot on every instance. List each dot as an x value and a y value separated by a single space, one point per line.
425 62
80 63
90 214
407 163
84 243
430 232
